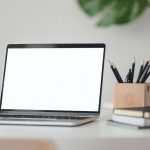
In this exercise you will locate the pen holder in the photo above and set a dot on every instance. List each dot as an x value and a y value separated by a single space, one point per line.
129 95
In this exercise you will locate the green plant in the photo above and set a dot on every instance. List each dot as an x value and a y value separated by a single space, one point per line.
115 11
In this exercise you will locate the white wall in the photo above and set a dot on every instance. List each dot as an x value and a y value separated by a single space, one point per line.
56 21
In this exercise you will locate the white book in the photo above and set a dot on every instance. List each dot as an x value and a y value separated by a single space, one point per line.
131 120
134 112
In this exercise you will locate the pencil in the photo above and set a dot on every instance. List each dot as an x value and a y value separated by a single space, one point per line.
140 72
145 74
148 74
114 71
118 75
132 72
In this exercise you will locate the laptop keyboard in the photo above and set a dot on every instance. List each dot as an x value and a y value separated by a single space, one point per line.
44 117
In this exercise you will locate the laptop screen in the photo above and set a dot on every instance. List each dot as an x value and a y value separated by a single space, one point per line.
53 77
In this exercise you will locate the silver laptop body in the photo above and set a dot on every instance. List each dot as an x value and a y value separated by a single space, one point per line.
52 84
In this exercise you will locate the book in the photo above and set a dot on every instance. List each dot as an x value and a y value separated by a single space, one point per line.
138 121
125 125
143 112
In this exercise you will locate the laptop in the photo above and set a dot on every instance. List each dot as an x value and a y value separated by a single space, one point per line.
52 84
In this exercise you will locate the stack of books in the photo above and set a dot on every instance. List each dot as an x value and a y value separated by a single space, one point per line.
136 117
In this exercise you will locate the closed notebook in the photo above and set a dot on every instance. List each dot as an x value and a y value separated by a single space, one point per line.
125 125
139 121
134 112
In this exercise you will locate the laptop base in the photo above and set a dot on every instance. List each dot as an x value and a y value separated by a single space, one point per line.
46 122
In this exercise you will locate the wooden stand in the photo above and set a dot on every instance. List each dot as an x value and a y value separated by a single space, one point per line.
128 95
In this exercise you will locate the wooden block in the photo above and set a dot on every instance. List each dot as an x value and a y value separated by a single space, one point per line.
128 95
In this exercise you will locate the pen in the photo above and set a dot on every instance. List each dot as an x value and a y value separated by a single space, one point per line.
113 70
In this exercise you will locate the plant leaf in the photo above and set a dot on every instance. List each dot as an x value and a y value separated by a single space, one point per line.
104 3
133 10
93 7
138 8
126 16
119 11
142 5
112 15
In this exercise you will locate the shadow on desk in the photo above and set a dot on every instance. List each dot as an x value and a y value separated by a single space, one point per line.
25 144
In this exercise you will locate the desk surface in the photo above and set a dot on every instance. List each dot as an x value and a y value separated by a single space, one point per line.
93 135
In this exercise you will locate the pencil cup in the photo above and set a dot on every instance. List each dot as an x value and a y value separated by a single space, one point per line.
129 95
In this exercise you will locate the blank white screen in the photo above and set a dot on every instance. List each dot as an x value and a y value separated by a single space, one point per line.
53 79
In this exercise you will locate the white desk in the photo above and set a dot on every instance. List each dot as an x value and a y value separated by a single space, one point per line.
94 136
